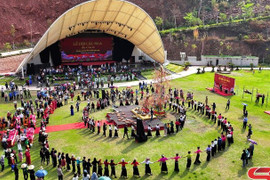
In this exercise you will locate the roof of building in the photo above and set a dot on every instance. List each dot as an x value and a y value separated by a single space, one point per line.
116 17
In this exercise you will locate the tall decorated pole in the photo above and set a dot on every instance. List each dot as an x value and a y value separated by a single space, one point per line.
158 98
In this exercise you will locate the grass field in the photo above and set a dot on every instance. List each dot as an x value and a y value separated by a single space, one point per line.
175 68
198 131
148 74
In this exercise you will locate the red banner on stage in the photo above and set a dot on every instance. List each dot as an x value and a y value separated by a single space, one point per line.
86 49
224 83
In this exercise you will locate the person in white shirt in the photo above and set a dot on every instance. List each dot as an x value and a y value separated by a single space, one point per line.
147 166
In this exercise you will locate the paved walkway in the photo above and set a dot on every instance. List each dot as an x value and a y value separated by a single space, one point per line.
190 71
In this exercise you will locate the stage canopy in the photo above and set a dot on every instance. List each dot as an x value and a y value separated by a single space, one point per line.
116 17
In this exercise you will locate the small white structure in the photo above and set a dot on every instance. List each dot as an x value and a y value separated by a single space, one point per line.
139 55
223 60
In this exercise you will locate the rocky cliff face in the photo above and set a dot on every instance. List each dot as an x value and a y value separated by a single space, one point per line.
31 18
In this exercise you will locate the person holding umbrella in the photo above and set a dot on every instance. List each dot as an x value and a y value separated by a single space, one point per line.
25 172
41 173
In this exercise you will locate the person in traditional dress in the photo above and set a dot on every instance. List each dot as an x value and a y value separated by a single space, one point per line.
162 160
68 161
16 172
98 126
73 160
2 163
94 163
208 152
176 163
31 172
157 130
71 110
133 132
147 166
25 171
135 168
78 162
149 131
112 164
124 170
115 131
110 131
99 168
106 168
88 166
104 129
125 131
197 160
20 155
188 156
28 157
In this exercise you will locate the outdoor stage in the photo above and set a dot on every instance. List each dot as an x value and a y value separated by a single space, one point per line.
123 115
217 91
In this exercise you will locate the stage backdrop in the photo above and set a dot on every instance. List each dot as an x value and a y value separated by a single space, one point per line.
85 49
226 82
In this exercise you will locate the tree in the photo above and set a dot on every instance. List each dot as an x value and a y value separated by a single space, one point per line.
200 8
192 20
176 13
223 17
7 46
159 22
157 99
247 9
12 33
193 46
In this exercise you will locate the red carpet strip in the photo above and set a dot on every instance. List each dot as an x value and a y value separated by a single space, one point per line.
64 127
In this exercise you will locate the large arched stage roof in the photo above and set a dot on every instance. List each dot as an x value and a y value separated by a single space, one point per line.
116 17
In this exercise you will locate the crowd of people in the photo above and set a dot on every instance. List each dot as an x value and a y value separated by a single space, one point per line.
49 99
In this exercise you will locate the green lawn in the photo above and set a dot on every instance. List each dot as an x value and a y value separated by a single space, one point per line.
198 131
148 74
175 68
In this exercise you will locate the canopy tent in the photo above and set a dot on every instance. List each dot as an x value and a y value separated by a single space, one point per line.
116 17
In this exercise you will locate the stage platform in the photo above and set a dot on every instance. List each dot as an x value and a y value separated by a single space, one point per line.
123 115
217 91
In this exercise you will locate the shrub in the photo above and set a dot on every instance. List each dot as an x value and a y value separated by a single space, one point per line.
193 46
7 46
251 66
246 37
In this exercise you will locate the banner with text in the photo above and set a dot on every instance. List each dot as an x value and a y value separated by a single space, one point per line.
226 82
86 49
